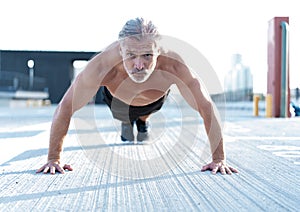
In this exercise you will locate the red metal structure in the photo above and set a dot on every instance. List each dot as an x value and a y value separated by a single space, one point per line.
278 66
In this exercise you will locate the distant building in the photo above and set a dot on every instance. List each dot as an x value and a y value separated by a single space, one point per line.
238 82
39 72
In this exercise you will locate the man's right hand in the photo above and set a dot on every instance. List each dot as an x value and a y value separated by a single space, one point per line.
53 166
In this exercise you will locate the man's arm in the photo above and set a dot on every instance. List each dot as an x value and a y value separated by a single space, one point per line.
78 95
190 89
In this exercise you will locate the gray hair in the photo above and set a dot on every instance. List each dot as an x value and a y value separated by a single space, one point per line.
138 27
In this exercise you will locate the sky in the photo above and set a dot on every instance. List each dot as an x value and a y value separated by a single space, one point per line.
216 28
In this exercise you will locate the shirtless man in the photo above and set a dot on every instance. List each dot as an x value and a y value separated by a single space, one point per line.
134 73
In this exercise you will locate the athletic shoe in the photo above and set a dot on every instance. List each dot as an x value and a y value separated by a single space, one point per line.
143 128
127 131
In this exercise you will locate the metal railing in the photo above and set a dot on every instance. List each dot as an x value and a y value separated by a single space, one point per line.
13 81
284 69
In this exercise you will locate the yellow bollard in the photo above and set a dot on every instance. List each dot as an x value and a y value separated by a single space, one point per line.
269 105
255 105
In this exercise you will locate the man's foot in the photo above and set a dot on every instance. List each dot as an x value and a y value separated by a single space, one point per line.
143 128
127 131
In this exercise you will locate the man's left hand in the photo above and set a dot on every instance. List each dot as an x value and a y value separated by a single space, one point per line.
220 166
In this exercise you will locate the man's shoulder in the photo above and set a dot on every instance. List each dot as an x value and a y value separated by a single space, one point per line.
170 57
169 54
109 56
168 61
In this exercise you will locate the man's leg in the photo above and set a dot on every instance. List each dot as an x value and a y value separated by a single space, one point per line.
119 111
143 128
144 118
127 131
140 114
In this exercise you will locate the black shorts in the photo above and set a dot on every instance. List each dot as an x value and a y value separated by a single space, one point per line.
128 113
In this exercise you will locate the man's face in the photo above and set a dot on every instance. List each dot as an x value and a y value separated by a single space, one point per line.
139 58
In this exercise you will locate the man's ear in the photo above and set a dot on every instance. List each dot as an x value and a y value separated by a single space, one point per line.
158 51
120 50
157 48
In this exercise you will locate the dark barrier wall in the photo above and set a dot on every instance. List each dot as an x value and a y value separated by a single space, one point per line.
56 67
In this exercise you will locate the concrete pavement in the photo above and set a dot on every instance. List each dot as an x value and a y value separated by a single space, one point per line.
112 176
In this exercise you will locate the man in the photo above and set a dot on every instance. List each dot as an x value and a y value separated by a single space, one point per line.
135 76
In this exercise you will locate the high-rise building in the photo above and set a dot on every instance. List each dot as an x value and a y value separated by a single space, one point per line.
238 82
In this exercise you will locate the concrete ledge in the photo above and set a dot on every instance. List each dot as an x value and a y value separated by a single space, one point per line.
31 95
20 103
24 94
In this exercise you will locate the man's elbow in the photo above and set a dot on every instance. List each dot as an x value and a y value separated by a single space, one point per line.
65 107
206 109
